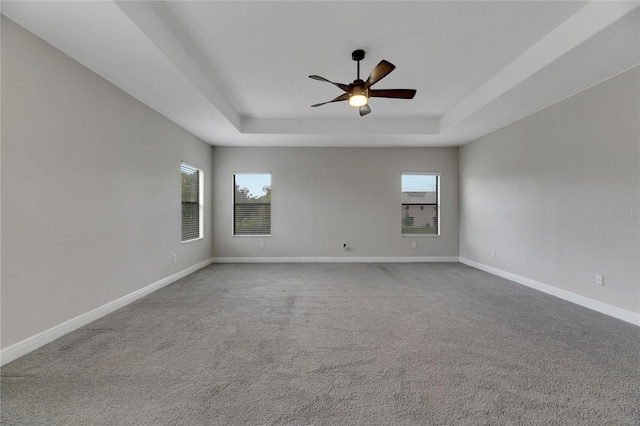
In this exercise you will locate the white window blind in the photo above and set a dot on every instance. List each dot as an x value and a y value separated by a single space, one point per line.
420 204
192 202
252 204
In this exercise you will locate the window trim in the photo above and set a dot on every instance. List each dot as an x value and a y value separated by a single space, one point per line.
200 203
438 204
233 205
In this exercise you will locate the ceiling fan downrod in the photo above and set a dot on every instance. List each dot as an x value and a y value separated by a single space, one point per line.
358 55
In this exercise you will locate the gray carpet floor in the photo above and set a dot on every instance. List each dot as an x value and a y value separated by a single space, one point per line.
334 344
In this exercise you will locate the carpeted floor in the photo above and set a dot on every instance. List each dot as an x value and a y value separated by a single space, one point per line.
335 344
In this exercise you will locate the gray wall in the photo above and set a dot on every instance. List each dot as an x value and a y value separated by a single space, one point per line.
324 197
546 192
90 189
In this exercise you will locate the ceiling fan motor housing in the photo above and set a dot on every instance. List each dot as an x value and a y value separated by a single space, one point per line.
357 93
357 88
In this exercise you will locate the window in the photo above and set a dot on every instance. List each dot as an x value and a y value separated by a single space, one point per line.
420 204
252 204
192 202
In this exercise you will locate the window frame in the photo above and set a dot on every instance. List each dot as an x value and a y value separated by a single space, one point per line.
200 203
438 176
233 206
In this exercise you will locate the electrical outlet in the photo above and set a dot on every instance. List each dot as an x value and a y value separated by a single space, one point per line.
599 279
493 252
414 245
174 257
261 245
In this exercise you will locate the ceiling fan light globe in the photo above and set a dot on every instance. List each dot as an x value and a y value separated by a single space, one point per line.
357 100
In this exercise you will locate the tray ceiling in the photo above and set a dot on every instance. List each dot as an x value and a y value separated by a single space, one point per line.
236 73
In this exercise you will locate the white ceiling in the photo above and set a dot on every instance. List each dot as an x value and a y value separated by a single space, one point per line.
236 72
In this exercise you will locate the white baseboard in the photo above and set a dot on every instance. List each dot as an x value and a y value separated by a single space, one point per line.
32 343
349 259
619 313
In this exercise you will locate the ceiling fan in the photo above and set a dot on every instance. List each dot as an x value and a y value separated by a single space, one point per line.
359 92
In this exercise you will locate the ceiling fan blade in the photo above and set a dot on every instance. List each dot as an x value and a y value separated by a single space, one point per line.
379 72
364 110
392 93
344 87
342 97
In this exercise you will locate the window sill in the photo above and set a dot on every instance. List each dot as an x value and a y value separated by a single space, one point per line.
419 236
252 236
192 241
